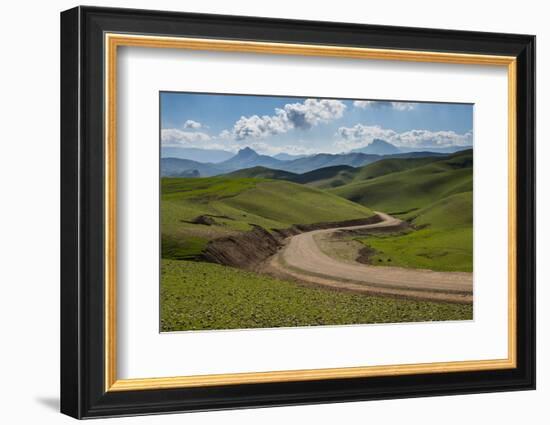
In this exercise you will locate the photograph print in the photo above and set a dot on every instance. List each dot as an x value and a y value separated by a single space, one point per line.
302 211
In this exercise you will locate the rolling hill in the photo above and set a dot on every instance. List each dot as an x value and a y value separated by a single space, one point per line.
412 189
434 195
327 176
392 165
263 173
234 205
332 177
338 175
443 240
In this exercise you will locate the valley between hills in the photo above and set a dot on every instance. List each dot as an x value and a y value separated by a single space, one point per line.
255 241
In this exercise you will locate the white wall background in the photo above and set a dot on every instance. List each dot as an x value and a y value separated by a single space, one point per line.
29 224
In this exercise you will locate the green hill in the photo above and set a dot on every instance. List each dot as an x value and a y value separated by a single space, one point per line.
233 205
404 191
443 242
332 177
263 173
453 211
286 203
434 195
392 165
327 176
339 175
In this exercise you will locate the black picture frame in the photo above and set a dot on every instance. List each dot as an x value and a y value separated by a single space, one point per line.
83 392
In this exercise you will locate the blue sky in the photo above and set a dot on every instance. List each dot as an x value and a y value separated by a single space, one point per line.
271 124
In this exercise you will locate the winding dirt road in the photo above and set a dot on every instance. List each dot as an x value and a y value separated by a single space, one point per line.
302 259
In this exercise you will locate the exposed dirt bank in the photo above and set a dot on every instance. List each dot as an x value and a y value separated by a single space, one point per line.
245 250
248 250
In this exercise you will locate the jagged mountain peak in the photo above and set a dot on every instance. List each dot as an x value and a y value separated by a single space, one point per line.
247 152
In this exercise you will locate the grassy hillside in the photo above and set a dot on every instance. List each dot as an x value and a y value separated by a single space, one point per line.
391 165
209 296
262 173
335 176
332 177
412 189
443 242
234 204
434 195
327 177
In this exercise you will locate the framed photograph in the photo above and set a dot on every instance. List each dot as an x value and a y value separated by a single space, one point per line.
261 212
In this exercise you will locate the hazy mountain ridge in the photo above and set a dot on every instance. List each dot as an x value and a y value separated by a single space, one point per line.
177 167
248 158
196 154
288 157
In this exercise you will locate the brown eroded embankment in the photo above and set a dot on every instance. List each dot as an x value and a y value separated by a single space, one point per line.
248 250
294 253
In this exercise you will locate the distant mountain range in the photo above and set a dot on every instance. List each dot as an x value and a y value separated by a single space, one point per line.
341 175
196 154
177 167
323 160
445 150
287 157
247 158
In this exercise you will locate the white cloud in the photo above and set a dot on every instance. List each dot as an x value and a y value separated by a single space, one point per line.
313 111
363 104
298 115
176 137
225 135
173 137
256 127
403 106
192 125
398 106
361 135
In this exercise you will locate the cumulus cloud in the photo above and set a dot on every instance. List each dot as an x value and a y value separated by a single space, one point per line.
312 112
403 106
398 106
225 135
300 115
176 137
194 125
256 127
363 104
173 137
361 135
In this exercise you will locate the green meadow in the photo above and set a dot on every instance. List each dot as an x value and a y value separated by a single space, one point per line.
198 296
